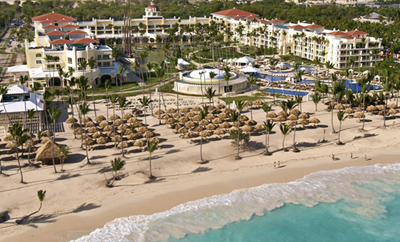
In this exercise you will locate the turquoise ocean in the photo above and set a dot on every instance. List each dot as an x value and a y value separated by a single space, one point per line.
351 204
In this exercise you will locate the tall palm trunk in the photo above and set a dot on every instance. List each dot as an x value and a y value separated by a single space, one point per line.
122 132
115 140
294 136
151 173
283 142
238 138
363 112
333 128
52 146
20 168
340 128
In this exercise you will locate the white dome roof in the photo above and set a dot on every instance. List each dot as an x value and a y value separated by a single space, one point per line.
205 73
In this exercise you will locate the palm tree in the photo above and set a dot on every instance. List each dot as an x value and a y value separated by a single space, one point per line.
299 101
84 108
252 80
145 102
316 98
123 103
23 80
268 125
20 137
227 69
151 147
364 84
107 85
3 92
203 113
113 100
210 93
41 194
285 131
337 87
212 75
239 107
54 115
159 71
31 115
266 107
116 165
57 92
91 64
46 95
71 83
341 117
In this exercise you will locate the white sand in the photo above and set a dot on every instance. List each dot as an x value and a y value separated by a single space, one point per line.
82 186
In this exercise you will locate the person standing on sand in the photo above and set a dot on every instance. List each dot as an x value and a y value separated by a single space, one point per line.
333 157
365 157
351 155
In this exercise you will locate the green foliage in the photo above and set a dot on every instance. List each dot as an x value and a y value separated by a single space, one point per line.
116 165
244 138
41 194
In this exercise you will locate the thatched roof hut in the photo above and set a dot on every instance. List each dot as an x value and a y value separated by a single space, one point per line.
196 109
392 105
107 128
259 127
170 121
114 117
271 115
258 103
122 127
92 130
99 118
225 125
101 140
97 134
282 113
243 118
292 117
132 120
190 124
314 120
183 120
134 136
71 120
203 122
44 154
118 122
280 119
165 116
139 143
220 106
127 116
116 138
247 128
190 115
222 116
142 129
182 130
251 122
196 118
171 110
339 106
219 131
128 132
45 140
176 115
184 110
148 134
294 111
123 143
359 115
103 124
304 116
8 137
349 111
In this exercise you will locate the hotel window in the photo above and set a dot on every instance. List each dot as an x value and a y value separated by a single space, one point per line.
38 62
38 55
69 60
80 60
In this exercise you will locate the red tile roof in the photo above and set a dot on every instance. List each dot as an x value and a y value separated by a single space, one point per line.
69 26
276 21
61 42
337 33
86 40
355 32
76 32
237 17
51 26
64 21
297 27
263 21
314 26
47 22
56 32
52 17
234 12
251 17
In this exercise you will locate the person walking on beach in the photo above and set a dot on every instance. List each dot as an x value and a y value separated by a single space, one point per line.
351 155
333 157
365 157
274 164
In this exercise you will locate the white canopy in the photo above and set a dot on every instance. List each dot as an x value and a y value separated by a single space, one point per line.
182 62
18 68
17 89
250 69
245 59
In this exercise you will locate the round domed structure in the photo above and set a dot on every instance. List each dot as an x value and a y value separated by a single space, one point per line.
196 82
152 7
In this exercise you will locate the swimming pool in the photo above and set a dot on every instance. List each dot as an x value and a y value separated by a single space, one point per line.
271 77
286 92
355 87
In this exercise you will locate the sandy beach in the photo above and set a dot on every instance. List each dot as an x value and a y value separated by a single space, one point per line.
78 201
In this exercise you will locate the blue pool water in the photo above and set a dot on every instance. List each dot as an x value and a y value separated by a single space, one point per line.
286 92
359 204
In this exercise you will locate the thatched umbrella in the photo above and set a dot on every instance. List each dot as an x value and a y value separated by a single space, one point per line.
392 105
114 117
139 143
210 108
171 110
127 116
75 126
155 139
116 138
198 129
112 134
196 118
236 123
183 130
203 122
225 125
348 111
132 120
258 103
47 133
196 109
86 120
103 124
148 134
211 127
251 122
359 115
294 111
138 124
210 116
220 106
290 123
176 115
142 129
158 111
97 134
99 118
165 116
226 110
11 145
314 121
339 106
381 107
128 132
233 128
247 103
122 127
44 154
222 116
219 131
371 108
123 143
282 113
134 136
303 122
190 124
280 119
247 128
178 126
188 136
137 112
101 140
92 130
78 131
71 120
206 133
272 115
392 111
90 124
292 117
259 127
243 118
83 136
118 122
88 141
170 121
107 128
304 116
184 110
217 121
190 114
183 120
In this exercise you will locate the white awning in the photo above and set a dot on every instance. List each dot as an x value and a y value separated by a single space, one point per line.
17 107
245 59
250 69
182 62
16 69
38 73
17 89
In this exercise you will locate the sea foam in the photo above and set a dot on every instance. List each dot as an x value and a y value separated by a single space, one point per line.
363 187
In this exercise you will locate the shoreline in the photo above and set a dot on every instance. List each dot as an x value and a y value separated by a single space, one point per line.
68 227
